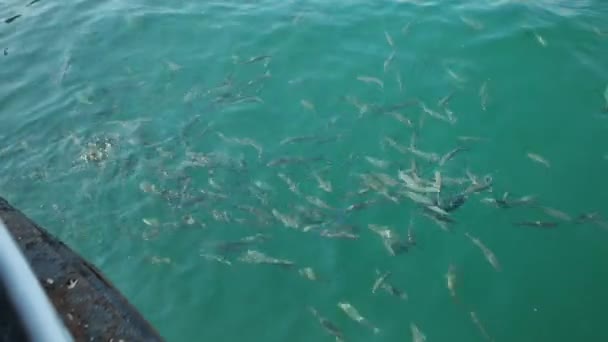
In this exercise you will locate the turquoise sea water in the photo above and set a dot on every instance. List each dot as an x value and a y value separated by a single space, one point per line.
145 134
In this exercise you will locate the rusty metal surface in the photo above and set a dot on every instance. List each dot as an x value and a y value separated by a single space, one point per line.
88 304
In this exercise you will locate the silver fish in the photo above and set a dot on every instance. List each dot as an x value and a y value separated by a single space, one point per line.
308 105
411 238
438 182
216 258
446 157
556 213
606 99
445 100
308 273
417 334
392 143
379 163
389 39
288 221
388 61
317 202
338 234
539 159
480 326
402 119
391 241
414 185
380 280
329 326
540 39
369 79
323 184
152 222
353 314
437 115
173 66
451 280
483 95
385 179
455 76
298 139
293 186
148 187
256 257
472 23
399 81
419 199
486 251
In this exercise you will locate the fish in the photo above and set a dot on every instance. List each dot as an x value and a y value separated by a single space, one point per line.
385 179
405 29
11 19
327 325
148 187
448 156
391 241
233 246
411 238
369 79
324 185
438 182
483 95
388 61
288 221
479 186
257 59
472 23
338 234
380 280
505 202
244 142
466 138
298 139
437 210
308 105
392 143
292 160
217 258
537 223
540 39
32 2
455 76
379 163
437 115
308 273
399 81
490 256
152 222
419 198
256 257
560 215
353 314
445 100
317 202
389 39
360 206
404 120
539 159
450 277
480 326
417 334
606 99
173 66
415 186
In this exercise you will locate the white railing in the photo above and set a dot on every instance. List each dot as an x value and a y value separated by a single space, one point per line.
37 315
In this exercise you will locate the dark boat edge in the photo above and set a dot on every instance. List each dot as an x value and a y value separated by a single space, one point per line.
89 305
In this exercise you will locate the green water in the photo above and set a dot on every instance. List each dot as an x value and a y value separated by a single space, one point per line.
146 86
